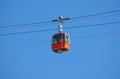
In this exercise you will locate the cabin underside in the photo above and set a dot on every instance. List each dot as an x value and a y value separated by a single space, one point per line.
60 50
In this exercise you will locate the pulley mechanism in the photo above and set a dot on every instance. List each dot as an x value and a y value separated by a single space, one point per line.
60 21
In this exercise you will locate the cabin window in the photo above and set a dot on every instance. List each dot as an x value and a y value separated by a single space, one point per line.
57 38
54 41
67 38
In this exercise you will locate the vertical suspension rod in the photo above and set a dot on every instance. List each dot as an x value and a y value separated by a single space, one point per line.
59 24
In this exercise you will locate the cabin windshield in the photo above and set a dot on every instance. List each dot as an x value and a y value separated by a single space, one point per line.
57 38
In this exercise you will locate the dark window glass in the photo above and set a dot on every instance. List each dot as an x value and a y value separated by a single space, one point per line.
58 37
67 38
54 41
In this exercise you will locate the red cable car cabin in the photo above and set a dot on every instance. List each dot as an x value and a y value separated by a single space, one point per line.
60 42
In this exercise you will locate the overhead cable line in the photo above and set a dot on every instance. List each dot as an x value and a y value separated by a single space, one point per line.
18 25
24 43
73 38
97 14
44 30
34 31
90 15
94 25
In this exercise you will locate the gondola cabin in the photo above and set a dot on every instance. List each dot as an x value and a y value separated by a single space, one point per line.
60 42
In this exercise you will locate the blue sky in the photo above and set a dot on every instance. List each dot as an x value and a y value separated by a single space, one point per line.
94 53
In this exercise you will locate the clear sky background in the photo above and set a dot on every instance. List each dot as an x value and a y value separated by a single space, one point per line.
94 53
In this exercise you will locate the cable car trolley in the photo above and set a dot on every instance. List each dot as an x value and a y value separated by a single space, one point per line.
61 40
